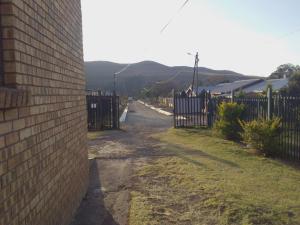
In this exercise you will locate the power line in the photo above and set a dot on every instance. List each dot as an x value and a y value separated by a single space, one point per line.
117 73
282 37
124 69
173 17
173 77
161 31
290 33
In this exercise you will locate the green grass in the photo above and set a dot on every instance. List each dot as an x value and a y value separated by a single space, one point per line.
92 135
208 180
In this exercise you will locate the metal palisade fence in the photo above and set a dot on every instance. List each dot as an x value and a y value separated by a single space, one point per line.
102 111
288 109
201 111
191 111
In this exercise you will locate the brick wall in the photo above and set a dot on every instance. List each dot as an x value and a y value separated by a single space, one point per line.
43 154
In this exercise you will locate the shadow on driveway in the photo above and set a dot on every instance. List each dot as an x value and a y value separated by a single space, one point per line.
92 210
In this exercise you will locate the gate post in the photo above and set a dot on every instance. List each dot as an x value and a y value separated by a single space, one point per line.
209 109
114 111
98 100
232 96
270 103
174 109
100 112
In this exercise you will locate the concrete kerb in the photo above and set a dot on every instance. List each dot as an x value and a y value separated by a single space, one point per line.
156 109
124 115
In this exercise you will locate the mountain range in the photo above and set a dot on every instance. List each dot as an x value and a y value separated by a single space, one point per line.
149 75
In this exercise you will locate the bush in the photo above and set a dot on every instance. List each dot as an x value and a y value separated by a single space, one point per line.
229 115
262 134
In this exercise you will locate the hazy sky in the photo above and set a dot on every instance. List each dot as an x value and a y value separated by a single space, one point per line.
248 36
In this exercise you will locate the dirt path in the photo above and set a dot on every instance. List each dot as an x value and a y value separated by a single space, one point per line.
117 154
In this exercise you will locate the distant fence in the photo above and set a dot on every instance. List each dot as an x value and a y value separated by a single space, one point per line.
201 111
102 111
168 102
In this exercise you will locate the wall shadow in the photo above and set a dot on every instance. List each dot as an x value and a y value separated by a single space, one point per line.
92 210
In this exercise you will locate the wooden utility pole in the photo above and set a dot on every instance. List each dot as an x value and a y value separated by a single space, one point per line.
115 85
196 75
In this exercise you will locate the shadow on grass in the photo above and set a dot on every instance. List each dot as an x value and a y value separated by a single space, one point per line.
187 154
284 158
92 210
198 131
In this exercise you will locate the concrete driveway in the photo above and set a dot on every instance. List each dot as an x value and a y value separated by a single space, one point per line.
116 156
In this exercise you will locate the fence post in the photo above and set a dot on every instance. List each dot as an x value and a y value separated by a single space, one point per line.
232 96
100 112
114 111
118 111
270 103
174 109
209 110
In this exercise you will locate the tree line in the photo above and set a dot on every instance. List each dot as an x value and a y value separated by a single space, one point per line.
292 72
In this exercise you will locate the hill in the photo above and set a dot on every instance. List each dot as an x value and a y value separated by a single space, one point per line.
149 74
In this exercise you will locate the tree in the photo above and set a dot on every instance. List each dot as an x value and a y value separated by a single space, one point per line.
240 94
158 90
293 87
285 70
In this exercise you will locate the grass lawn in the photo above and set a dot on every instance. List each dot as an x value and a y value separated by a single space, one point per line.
208 180
92 135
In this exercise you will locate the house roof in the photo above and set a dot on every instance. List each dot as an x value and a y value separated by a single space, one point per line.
206 88
248 86
277 84
234 86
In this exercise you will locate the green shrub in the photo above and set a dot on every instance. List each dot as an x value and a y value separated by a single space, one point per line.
262 134
229 115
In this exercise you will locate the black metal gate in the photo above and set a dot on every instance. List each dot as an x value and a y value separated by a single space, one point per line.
103 111
191 111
